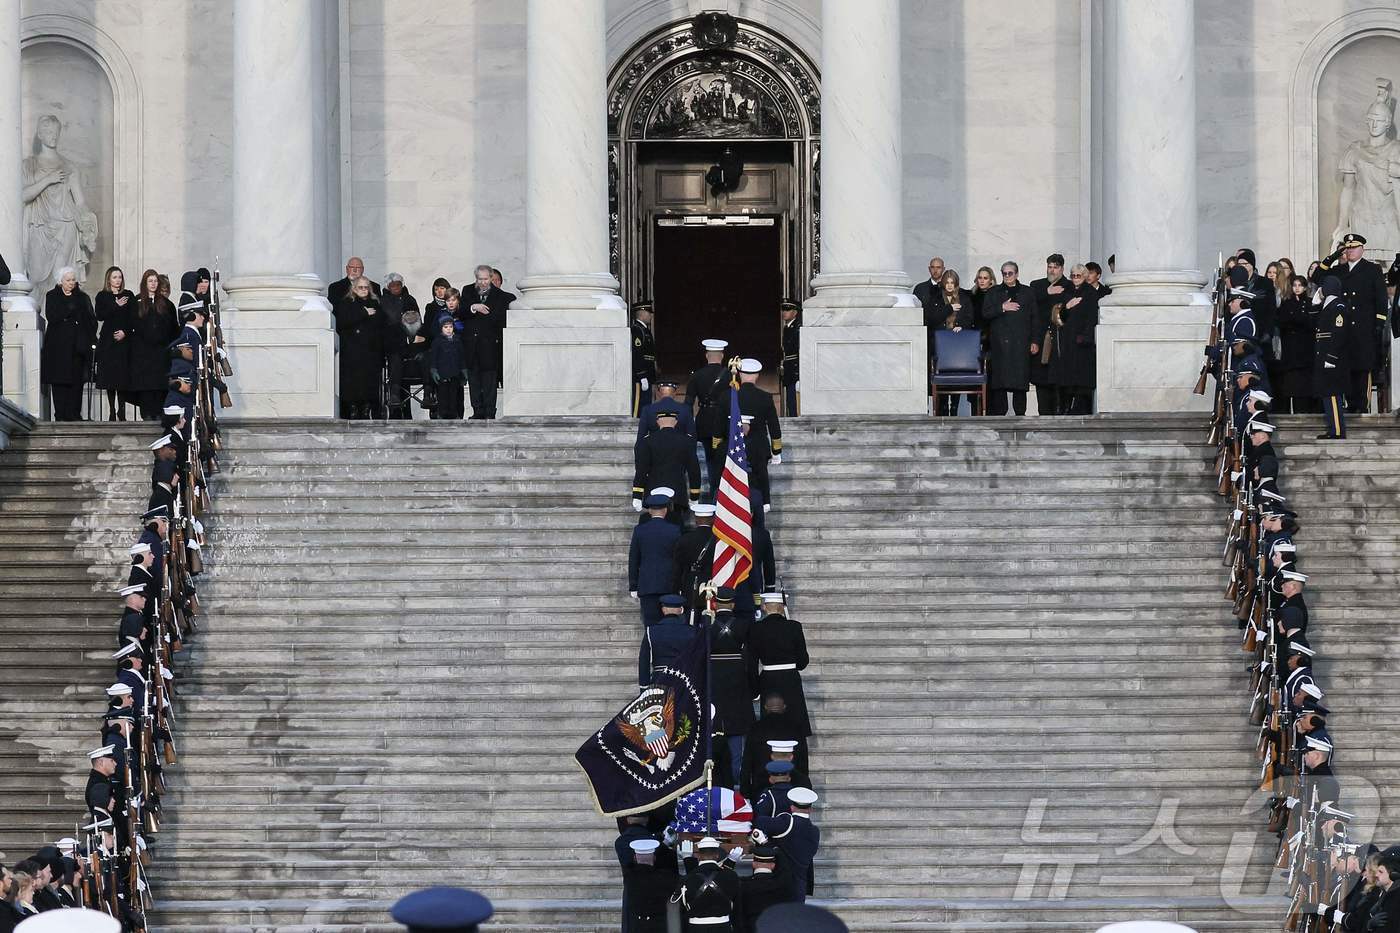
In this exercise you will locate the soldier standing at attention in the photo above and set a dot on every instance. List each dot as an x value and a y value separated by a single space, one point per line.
764 441
666 457
1331 356
706 392
643 356
788 371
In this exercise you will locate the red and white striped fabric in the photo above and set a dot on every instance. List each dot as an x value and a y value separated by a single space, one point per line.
733 511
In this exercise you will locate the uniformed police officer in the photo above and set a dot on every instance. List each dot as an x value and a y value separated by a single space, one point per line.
643 356
1332 359
788 371
666 457
796 836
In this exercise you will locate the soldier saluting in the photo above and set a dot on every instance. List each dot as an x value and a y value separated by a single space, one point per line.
1365 303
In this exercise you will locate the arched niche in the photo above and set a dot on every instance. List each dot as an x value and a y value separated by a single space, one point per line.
48 41
1333 84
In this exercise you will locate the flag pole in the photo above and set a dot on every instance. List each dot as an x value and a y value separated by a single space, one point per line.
707 593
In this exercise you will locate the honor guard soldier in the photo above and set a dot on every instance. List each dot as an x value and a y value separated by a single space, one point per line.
778 653
796 837
649 878
695 552
442 910
651 558
788 372
774 799
764 441
100 791
764 888
1366 302
643 356
709 893
775 735
731 691
664 642
685 421
666 457
1332 359
706 391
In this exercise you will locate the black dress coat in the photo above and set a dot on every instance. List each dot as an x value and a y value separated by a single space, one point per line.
1293 372
1010 335
114 356
363 341
1041 373
776 640
1332 360
731 691
70 329
485 347
1073 362
150 339
1363 290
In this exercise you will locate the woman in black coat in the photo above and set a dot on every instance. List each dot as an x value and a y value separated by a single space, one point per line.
363 330
70 329
153 327
1292 374
116 307
1073 361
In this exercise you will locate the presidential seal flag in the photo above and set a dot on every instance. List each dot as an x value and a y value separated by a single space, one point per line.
654 749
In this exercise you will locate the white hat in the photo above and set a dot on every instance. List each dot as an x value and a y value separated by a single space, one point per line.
1318 745
1259 395
802 797
666 491
1312 690
703 508
130 590
750 365
746 419
1293 575
106 751
772 597
119 690
67 843
784 746
645 846
141 547
166 441
72 920
708 842
1145 926
174 410
130 648
1301 649
714 346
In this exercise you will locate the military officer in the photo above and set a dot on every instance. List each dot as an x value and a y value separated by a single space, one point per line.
100 791
649 877
796 837
685 420
774 798
709 894
666 457
730 688
778 653
1332 359
1364 311
706 391
643 356
788 372
695 552
442 910
764 888
775 734
764 441
664 642
650 559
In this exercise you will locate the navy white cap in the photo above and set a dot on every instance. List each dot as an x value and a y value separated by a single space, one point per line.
802 797
106 751
644 846
119 690
140 547
702 509
783 746
666 491
750 365
174 410
131 647
772 597
714 346
708 842
166 441
1258 426
1312 690
132 589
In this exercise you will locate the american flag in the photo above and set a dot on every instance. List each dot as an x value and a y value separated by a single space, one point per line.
733 515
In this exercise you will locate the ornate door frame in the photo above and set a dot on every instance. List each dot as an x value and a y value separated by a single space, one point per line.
651 91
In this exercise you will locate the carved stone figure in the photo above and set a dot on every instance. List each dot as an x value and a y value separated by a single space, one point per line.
1370 167
59 228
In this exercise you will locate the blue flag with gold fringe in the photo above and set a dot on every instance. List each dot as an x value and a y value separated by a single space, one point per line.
654 749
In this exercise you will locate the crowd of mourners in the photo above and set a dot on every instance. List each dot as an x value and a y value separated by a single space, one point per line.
101 866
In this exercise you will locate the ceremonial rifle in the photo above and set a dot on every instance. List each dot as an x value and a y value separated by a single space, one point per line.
1214 338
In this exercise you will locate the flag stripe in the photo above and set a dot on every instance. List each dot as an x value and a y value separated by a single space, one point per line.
733 514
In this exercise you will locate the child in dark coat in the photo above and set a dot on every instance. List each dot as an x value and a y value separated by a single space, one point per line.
449 363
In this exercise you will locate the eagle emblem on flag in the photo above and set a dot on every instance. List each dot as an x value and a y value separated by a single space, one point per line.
649 725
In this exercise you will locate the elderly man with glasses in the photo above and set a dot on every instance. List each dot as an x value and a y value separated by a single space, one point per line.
1010 313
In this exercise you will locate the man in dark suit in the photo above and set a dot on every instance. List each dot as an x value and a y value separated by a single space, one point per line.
1009 314
498 280
354 268
927 290
1049 291
485 309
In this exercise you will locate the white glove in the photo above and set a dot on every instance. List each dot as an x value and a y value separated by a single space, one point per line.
645 385
1327 365
1322 910
636 505
1291 802
633 594
736 854
776 460
767 507
797 386
759 837
669 837
687 848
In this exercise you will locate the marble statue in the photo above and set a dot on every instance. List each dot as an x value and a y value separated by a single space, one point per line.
59 228
1370 198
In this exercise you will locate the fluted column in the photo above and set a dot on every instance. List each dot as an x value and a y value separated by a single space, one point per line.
279 329
1153 325
566 343
20 321
863 342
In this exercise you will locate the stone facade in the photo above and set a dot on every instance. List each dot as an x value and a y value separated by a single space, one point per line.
418 151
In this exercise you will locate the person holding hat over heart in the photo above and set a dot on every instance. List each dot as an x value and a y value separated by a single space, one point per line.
649 877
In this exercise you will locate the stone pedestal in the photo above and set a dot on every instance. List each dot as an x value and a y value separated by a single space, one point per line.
282 347
1150 345
567 339
22 339
19 318
864 345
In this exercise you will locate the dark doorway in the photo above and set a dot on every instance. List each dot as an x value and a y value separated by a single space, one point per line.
717 280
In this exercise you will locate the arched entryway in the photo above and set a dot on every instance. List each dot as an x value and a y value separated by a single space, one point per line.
714 141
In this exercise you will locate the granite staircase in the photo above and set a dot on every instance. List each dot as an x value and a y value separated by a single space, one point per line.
1027 691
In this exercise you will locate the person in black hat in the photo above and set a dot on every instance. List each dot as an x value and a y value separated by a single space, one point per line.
442 910
1264 307
789 370
666 458
709 894
775 725
649 877
1365 307
1332 359
768 885
774 798
708 390
666 401
643 356
731 689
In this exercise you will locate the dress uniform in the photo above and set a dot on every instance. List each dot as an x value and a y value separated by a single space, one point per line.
709 894
648 879
778 653
764 440
651 559
1331 356
731 691
706 391
695 553
765 887
788 372
685 419
796 837
774 798
643 360
1364 311
665 641
774 729
666 457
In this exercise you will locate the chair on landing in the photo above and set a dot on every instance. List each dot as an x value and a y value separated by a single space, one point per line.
958 366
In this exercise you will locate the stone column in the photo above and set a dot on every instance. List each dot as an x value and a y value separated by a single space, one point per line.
864 347
279 327
1154 325
20 320
567 340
